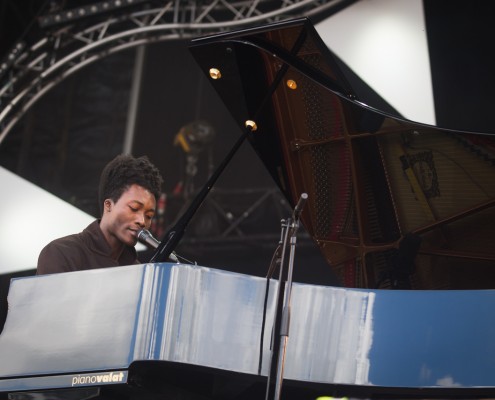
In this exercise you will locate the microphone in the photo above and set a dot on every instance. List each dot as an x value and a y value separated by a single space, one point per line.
299 206
145 237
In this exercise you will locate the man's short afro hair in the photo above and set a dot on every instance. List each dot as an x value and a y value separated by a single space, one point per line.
124 171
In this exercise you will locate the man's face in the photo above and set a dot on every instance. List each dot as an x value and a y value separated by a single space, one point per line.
123 219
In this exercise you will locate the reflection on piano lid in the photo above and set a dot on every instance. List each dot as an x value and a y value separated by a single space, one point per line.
174 331
392 203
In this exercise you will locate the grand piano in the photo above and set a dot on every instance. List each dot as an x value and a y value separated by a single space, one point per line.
401 211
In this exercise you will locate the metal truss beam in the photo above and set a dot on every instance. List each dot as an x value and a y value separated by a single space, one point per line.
75 38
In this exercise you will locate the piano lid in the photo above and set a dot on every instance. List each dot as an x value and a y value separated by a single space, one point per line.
392 203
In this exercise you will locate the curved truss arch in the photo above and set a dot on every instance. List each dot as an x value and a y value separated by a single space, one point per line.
31 71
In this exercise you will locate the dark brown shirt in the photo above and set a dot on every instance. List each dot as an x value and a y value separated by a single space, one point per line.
85 250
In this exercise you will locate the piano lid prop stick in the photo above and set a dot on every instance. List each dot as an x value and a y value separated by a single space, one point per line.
174 235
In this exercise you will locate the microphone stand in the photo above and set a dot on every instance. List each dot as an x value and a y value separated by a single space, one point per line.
288 228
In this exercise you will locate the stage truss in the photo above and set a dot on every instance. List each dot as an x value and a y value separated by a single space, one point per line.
67 40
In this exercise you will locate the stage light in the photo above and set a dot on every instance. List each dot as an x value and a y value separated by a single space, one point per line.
193 137
331 398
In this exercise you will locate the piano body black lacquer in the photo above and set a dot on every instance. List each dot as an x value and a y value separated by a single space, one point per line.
392 204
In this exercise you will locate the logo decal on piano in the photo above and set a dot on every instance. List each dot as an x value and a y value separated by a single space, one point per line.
99 379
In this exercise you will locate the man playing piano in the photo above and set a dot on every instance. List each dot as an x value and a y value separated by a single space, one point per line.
129 188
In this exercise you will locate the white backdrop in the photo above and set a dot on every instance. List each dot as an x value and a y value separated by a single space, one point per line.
30 218
385 43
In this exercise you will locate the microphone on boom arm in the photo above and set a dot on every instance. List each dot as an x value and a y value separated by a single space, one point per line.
145 237
299 206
